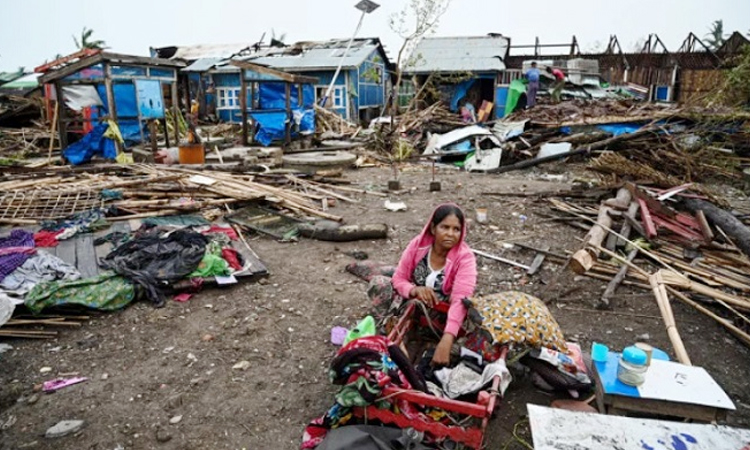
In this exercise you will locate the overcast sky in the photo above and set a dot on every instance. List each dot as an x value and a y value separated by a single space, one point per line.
32 31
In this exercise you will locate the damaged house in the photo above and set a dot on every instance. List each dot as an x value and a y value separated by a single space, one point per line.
131 90
358 93
465 69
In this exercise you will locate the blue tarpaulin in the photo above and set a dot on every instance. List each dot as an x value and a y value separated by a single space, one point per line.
127 110
93 143
460 92
271 126
620 128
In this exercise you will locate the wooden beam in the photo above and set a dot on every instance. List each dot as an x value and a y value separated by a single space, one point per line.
70 69
111 105
62 128
290 118
243 106
176 114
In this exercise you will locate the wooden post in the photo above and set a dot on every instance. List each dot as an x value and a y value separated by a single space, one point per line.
152 132
62 127
290 118
243 106
109 87
176 113
300 102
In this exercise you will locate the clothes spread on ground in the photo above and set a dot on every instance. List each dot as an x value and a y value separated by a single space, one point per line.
15 259
363 368
462 380
176 221
213 263
229 231
82 222
115 238
7 306
40 267
153 261
45 238
106 292
516 317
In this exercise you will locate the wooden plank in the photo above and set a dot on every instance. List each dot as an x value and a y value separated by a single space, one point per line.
86 256
67 251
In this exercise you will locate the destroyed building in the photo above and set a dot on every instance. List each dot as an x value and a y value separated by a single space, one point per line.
653 73
470 68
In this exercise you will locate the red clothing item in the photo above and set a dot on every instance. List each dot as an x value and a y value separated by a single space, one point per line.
558 74
46 238
231 257
460 273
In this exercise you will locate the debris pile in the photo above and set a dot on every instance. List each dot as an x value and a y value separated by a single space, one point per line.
137 191
581 112
673 242
20 143
18 111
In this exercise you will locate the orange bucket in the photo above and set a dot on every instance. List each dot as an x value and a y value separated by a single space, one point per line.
192 154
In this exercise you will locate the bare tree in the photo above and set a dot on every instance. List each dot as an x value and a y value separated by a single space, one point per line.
715 37
418 19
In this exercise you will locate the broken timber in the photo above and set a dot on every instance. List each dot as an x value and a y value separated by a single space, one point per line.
583 260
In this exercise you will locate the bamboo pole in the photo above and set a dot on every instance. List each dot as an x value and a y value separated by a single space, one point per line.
662 299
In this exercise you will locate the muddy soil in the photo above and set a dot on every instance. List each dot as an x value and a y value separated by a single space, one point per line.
164 378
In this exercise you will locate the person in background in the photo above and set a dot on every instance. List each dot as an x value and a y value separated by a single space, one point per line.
468 112
532 75
559 83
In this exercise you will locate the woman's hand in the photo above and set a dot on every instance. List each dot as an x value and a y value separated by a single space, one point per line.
442 356
424 294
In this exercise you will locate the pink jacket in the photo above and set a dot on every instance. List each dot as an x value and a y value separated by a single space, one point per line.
460 273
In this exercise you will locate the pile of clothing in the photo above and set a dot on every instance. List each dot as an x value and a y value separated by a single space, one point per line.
23 266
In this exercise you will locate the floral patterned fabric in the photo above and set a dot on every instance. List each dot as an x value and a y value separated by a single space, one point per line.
515 317
106 292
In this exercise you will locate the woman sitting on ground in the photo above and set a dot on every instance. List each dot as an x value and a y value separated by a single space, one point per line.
438 266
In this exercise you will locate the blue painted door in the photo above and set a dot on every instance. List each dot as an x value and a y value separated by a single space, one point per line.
150 101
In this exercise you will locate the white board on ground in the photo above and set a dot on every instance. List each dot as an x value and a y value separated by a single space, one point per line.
671 381
557 429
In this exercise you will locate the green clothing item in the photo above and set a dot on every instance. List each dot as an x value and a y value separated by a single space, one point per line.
210 266
106 292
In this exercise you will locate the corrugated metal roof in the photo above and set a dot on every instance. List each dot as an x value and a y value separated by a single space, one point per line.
29 81
458 54
318 56
203 64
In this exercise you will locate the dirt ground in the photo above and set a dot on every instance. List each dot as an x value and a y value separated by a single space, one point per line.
149 367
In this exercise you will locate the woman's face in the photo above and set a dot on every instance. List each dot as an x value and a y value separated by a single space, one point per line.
448 232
